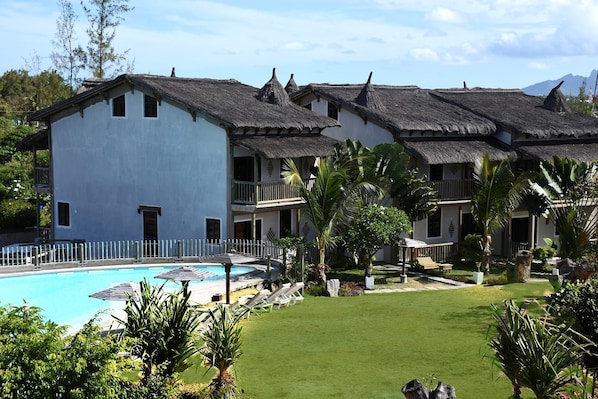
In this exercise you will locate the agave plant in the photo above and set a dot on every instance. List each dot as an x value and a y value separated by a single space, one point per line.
537 354
222 349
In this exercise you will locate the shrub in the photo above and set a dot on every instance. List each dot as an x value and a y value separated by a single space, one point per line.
472 247
543 253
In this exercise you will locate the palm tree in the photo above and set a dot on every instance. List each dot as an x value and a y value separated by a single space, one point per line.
222 349
331 201
497 192
566 190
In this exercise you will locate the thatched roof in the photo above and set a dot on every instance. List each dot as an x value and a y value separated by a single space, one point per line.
228 103
368 98
462 150
185 273
579 151
291 86
407 109
119 292
38 140
296 146
521 114
273 92
91 83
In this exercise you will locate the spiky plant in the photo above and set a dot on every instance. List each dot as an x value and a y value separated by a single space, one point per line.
222 349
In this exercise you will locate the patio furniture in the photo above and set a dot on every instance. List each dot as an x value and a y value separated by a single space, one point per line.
426 263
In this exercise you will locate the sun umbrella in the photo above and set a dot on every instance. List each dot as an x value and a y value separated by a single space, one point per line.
119 292
184 274
228 260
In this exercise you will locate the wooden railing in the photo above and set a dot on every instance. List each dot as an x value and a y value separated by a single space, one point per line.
453 189
249 193
133 251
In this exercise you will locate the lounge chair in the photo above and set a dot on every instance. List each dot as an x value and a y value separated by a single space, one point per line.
426 263
278 298
294 293
257 303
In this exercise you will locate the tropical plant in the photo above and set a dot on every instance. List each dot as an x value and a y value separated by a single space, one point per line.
496 193
372 227
332 198
222 349
576 303
163 327
566 190
535 353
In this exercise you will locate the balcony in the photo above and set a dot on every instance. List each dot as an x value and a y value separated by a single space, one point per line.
453 190
263 194
41 178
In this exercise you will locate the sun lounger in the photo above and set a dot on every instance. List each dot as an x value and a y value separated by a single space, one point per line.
277 298
426 263
294 293
257 303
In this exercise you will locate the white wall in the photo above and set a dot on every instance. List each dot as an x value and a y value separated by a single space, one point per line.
352 127
106 167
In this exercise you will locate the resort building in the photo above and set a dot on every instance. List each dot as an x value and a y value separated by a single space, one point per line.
445 131
144 157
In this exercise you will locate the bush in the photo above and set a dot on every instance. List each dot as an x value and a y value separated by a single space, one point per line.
17 214
543 253
472 247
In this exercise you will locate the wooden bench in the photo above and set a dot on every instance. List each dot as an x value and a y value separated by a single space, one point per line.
426 263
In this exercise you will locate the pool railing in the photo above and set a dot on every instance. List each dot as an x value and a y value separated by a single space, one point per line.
133 251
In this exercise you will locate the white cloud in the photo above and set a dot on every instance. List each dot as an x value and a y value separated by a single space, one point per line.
445 15
537 65
424 54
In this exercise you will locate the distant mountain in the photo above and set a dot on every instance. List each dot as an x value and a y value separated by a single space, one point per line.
569 88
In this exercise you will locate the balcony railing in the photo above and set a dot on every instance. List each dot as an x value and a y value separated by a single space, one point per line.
41 176
249 193
453 189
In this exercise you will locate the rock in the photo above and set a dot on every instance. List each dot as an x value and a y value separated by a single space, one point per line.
415 390
332 286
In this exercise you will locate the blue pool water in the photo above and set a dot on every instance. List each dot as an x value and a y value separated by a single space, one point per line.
64 295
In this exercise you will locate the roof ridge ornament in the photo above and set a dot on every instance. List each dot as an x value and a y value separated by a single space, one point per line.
556 101
368 97
291 86
273 92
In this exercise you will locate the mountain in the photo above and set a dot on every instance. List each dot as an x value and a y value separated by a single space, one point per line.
569 88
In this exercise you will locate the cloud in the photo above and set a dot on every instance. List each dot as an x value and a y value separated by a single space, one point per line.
446 16
424 54
537 65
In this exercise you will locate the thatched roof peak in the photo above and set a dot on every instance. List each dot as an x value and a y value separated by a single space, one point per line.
368 97
556 101
273 92
291 86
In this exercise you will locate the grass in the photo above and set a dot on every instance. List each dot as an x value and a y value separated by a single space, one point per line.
372 345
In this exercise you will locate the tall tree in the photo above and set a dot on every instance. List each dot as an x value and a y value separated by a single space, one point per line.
566 190
104 16
68 57
496 194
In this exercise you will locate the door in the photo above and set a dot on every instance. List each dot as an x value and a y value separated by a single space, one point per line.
150 233
243 229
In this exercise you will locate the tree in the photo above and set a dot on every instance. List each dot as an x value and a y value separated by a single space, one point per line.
104 16
566 190
222 349
372 227
331 201
496 193
68 57
413 195
163 327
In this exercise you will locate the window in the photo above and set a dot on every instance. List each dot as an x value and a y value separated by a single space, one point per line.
436 172
434 222
118 106
64 214
332 111
307 106
150 106
213 229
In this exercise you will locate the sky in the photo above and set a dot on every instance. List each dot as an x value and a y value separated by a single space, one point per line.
428 43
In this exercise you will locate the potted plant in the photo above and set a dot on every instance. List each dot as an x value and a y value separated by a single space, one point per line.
478 276
472 249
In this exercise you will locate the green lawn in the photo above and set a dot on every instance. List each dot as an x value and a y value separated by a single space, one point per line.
370 346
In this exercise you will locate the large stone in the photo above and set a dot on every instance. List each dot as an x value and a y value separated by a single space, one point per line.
332 286
522 270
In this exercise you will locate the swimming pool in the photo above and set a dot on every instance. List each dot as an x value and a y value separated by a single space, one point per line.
64 295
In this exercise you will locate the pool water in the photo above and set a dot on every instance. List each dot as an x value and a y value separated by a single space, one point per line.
64 298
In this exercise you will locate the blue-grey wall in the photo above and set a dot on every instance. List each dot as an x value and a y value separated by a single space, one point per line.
106 167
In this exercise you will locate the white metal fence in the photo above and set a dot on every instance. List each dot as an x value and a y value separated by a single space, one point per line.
134 251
